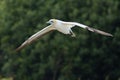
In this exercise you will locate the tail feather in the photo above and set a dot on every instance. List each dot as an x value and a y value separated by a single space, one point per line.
99 31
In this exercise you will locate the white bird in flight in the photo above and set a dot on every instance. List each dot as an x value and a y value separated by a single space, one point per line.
61 26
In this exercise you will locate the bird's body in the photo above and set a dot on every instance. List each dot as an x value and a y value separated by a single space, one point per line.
61 26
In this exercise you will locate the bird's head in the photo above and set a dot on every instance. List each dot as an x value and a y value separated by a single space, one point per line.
51 21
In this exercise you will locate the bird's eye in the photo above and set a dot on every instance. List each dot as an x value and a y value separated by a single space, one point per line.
51 21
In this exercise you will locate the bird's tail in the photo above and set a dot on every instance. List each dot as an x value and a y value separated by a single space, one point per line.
99 31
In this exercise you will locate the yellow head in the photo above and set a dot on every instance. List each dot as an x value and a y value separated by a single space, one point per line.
51 21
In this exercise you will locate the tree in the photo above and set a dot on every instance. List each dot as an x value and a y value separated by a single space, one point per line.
58 56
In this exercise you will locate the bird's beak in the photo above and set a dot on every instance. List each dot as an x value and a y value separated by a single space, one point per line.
48 22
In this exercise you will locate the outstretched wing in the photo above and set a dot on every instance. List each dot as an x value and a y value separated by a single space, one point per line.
99 31
36 36
90 29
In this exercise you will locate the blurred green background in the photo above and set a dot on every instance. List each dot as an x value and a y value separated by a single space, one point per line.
56 56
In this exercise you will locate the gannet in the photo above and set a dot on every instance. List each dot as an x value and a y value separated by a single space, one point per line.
61 26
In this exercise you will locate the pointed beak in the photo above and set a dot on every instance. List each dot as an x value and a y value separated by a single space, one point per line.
48 22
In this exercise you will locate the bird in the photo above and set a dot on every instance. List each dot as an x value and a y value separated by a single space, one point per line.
61 26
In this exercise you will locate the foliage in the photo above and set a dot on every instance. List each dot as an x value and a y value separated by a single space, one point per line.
57 56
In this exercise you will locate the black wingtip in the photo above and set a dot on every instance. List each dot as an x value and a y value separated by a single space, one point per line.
111 35
99 31
18 49
21 46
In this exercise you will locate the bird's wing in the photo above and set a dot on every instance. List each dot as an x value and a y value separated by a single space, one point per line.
90 29
36 36
99 31
72 24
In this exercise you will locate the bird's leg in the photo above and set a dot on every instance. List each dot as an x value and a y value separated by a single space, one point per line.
72 34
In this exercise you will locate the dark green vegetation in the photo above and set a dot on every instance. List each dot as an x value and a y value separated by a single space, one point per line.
56 56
